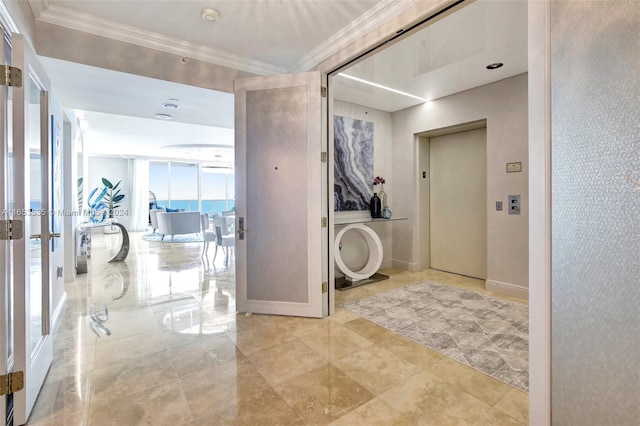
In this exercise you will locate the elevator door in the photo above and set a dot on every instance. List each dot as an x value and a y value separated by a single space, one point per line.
458 203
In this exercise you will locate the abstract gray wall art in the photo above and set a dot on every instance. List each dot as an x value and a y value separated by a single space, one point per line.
353 147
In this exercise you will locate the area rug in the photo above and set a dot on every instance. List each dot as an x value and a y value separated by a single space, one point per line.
180 238
488 334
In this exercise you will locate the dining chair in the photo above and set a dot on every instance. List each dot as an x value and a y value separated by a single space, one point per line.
223 238
208 235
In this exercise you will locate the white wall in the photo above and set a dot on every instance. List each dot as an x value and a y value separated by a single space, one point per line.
57 258
504 107
72 141
76 46
354 249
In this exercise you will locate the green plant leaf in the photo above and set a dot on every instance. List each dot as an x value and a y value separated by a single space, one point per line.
106 183
118 198
117 184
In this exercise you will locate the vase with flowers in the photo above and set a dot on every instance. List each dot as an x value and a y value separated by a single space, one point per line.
379 180
385 213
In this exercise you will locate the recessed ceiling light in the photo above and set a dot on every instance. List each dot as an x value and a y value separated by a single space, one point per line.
164 116
494 66
170 105
210 15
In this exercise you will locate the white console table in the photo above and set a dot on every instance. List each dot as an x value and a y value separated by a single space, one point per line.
369 273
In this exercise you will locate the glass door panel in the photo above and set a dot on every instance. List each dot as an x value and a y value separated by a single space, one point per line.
36 214
6 247
9 203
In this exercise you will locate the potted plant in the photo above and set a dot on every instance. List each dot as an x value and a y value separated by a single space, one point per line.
112 199
113 195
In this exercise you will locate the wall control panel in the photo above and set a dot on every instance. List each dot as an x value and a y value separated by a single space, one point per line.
514 204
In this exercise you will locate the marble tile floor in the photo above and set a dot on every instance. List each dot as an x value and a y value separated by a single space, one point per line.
178 354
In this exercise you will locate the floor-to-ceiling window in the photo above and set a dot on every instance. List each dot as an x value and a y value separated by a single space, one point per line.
183 187
159 181
191 187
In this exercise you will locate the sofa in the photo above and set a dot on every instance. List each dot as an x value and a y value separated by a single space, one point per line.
153 217
174 223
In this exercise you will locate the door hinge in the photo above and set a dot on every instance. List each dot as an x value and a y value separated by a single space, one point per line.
11 230
324 156
12 76
12 382
325 287
324 222
323 92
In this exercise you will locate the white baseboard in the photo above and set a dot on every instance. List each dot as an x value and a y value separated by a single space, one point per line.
508 289
386 264
57 313
405 266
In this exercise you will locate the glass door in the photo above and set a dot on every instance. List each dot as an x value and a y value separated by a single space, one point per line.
33 350
6 247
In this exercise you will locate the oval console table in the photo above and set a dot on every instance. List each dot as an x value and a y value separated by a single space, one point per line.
369 274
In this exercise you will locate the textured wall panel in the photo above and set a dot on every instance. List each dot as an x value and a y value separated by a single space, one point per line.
596 212
277 163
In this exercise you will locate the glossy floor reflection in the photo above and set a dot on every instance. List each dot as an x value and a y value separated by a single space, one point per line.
155 340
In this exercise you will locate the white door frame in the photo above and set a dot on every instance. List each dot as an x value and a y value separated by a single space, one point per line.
539 212
539 74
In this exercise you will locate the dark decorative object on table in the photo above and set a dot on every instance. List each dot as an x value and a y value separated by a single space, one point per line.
375 206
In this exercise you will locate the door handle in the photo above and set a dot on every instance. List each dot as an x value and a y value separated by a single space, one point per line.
51 235
241 228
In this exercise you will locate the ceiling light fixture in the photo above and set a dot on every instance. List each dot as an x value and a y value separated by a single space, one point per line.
164 116
495 65
380 86
170 105
210 15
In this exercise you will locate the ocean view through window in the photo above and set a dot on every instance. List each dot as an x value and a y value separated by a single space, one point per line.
185 186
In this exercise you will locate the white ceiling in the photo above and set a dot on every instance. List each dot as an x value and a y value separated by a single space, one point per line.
446 57
269 37
260 36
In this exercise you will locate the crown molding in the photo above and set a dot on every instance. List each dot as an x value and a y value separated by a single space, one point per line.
372 19
7 21
38 7
44 11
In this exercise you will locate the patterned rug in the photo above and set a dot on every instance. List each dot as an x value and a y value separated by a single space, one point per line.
180 238
488 334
